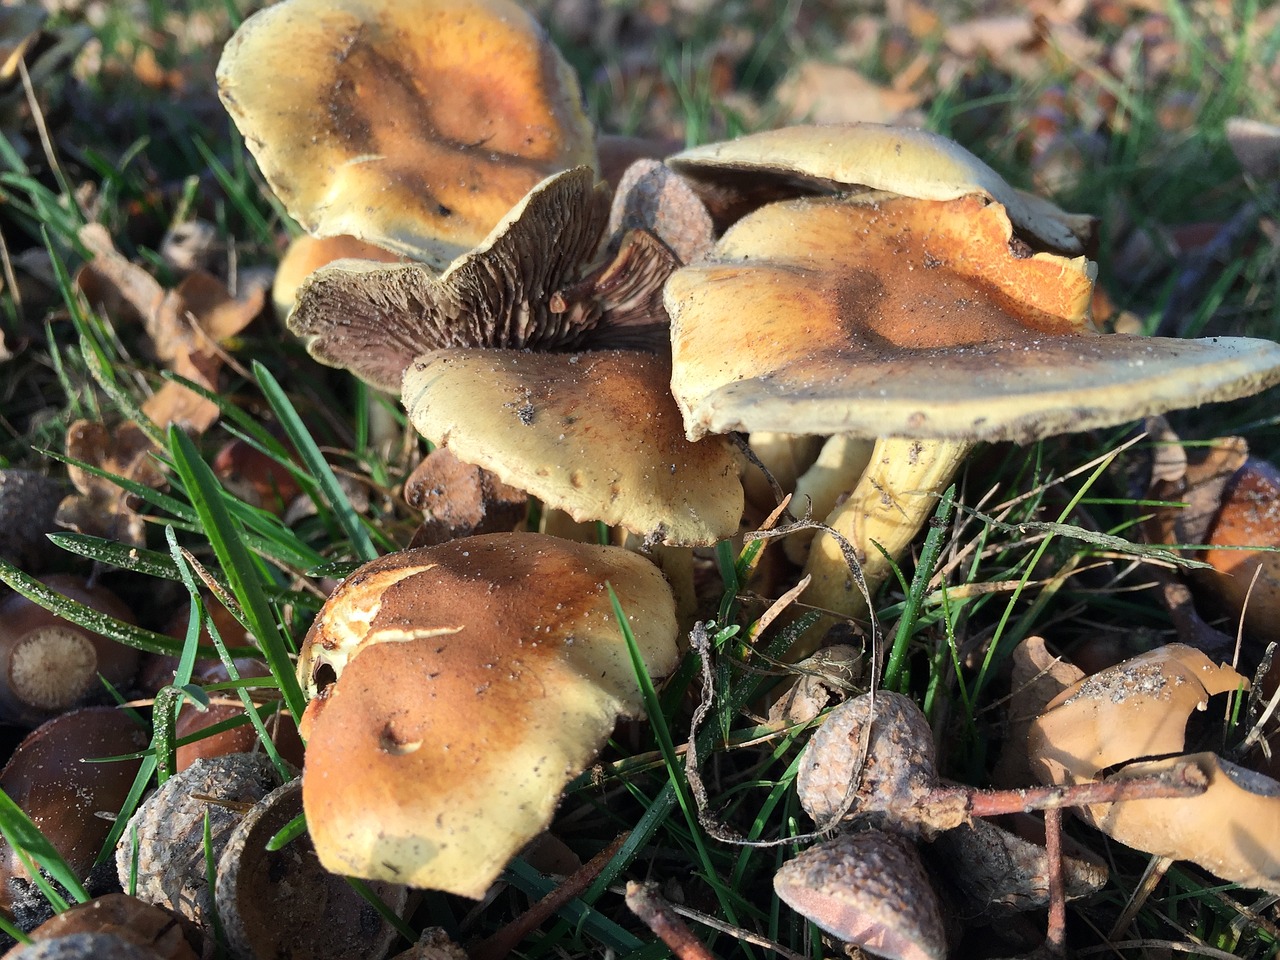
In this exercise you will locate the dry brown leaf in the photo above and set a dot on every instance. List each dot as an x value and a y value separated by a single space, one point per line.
815 92
102 508
1136 709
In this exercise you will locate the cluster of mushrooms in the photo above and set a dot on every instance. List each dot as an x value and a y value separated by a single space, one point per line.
591 336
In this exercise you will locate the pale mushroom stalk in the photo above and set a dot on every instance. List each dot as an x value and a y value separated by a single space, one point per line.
891 502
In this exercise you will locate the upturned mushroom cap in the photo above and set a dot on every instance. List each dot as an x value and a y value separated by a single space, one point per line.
935 324
869 889
839 158
413 125
596 435
475 679
1136 709
375 319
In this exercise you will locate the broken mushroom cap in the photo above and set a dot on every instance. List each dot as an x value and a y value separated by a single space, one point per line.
412 125
1136 709
934 325
596 435
868 889
837 158
374 319
475 679
1230 829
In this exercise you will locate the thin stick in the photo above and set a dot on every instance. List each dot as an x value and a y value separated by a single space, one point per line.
505 940
1055 938
1182 780
644 901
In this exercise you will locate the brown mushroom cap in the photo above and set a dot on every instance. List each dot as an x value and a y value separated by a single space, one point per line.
594 434
934 324
413 125
475 679
871 156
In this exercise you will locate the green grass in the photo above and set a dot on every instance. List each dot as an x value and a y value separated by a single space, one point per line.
1040 539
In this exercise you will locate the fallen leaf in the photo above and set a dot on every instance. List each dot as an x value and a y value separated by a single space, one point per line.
102 508
815 92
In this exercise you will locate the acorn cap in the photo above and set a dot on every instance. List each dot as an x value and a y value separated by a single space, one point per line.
596 435
936 324
840 158
283 903
868 889
412 125
475 679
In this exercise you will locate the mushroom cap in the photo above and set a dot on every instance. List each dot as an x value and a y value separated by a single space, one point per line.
1136 709
934 325
413 125
475 680
595 434
872 156
869 889
375 319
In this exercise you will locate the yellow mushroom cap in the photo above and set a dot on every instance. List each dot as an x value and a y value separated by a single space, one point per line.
474 680
873 156
920 319
412 124
594 434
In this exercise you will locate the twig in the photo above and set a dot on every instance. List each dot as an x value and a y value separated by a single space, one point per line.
505 940
644 901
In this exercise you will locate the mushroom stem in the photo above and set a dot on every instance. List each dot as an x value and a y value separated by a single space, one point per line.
886 509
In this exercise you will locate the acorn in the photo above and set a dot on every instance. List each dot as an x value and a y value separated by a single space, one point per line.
72 800
48 664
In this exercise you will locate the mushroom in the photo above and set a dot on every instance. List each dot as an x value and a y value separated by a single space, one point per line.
1139 709
415 126
474 680
593 434
937 329
837 158
869 889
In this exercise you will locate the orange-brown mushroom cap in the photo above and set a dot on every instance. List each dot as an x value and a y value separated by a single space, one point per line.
413 125
922 319
594 434
475 680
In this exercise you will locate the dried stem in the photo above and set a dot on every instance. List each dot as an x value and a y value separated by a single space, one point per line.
504 941
645 902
